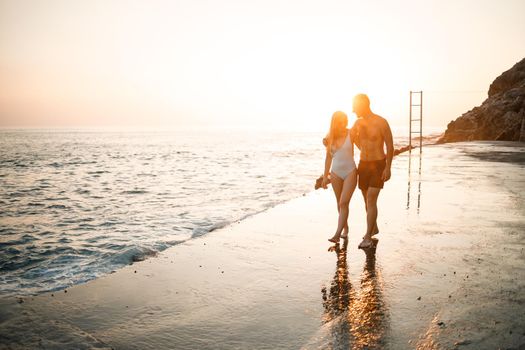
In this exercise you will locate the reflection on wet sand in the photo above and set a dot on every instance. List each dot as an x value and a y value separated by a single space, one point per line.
357 317
418 180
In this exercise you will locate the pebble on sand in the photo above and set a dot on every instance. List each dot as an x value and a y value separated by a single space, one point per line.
462 342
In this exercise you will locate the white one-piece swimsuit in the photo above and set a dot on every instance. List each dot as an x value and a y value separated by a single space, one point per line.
343 159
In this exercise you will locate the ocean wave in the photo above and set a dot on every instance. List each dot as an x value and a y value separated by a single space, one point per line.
74 214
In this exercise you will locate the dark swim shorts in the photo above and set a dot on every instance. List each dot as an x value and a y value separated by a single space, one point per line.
370 173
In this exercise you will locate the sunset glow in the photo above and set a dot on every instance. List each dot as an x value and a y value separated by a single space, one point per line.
262 63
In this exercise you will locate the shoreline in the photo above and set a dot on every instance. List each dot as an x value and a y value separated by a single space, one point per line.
269 281
142 253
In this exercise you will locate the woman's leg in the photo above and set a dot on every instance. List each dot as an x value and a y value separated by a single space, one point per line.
337 185
349 185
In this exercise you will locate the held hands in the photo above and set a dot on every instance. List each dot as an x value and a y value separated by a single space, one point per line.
386 174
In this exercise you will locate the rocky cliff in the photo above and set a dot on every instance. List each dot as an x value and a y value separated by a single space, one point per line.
499 117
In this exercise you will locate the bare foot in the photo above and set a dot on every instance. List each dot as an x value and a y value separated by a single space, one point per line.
344 235
366 243
334 239
374 232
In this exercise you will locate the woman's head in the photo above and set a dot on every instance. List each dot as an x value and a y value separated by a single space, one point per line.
338 126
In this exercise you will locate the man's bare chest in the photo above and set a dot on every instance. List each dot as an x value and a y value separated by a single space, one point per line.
370 133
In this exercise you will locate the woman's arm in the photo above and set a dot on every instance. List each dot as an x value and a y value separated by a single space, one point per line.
327 164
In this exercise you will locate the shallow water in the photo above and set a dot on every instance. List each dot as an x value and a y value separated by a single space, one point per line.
447 274
76 205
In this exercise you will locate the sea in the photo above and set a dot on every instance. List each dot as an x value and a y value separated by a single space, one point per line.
79 204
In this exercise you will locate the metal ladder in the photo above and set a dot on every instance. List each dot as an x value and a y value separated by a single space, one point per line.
416 105
414 118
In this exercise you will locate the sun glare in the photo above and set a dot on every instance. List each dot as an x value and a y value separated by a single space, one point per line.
277 65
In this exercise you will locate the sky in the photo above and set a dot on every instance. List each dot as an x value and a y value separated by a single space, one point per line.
256 64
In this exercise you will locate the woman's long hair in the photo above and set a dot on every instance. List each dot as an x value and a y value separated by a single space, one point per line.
338 126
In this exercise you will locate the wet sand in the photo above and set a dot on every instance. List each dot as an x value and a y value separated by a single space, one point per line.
448 272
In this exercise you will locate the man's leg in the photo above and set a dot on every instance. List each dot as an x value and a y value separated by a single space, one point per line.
375 231
371 211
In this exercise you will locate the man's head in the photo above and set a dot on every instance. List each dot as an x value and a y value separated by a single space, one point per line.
361 105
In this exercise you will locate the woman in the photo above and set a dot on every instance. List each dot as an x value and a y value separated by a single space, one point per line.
343 175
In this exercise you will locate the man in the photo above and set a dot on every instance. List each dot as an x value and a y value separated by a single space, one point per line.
372 134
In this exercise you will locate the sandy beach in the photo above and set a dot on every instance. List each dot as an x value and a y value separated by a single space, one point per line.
448 272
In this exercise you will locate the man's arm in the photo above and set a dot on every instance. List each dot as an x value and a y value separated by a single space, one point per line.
389 142
325 140
354 134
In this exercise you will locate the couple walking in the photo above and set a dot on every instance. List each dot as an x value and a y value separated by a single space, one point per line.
370 133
